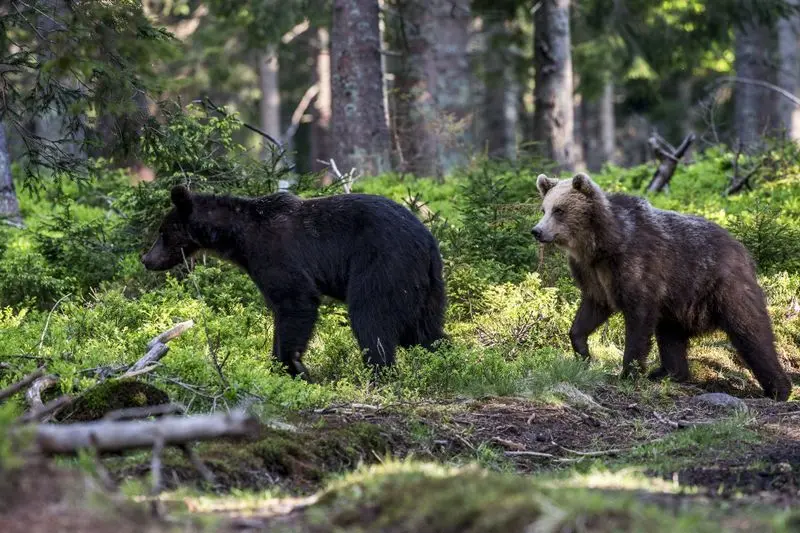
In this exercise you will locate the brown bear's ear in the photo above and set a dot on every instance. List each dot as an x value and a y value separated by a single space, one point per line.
544 184
182 199
584 184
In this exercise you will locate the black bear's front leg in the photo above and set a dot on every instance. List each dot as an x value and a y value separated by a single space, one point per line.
639 326
293 329
589 317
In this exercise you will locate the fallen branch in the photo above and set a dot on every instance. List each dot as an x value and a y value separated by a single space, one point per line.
741 181
530 454
157 348
134 413
668 161
115 436
34 394
14 388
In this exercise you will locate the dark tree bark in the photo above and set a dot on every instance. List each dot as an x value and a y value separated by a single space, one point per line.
360 130
9 206
500 93
753 105
320 129
432 89
451 79
598 128
788 74
553 113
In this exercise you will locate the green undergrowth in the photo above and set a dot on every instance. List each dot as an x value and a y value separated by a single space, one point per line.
415 497
74 295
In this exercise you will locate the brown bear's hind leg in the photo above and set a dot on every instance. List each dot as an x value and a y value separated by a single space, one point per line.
673 344
639 327
589 317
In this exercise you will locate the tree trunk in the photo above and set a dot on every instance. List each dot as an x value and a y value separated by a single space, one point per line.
449 76
500 93
751 120
413 98
579 130
320 129
9 206
553 119
432 89
360 132
608 124
788 74
270 95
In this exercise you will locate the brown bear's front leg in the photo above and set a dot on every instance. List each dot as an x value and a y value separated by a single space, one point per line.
589 317
639 326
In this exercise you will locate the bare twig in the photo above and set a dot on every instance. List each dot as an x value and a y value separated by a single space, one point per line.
208 103
299 111
530 454
155 475
198 464
46 412
295 32
760 83
47 322
100 468
21 384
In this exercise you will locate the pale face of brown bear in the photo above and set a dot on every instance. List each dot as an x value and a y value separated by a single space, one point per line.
568 206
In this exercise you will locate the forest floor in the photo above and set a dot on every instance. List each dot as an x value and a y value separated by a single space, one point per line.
619 460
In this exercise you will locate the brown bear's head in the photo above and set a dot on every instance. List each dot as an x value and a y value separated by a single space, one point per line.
175 242
569 207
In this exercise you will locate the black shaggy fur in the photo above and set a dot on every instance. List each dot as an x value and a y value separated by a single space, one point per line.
367 251
671 274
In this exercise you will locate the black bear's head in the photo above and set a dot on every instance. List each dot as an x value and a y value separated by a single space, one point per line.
174 243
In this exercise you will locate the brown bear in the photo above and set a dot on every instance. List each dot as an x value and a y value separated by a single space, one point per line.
365 250
671 274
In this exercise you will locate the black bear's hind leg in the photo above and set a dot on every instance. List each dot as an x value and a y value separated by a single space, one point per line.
374 335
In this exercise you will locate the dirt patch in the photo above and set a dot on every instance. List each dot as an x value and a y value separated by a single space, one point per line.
41 498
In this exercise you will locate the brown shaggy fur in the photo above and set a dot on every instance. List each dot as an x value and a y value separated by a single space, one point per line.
671 274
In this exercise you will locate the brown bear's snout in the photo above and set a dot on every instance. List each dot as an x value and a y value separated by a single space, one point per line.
540 236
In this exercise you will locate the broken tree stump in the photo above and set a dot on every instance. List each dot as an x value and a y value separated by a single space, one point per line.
668 158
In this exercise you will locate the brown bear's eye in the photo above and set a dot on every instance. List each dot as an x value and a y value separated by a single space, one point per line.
557 211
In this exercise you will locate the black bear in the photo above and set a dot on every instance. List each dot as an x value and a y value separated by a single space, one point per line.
670 274
365 250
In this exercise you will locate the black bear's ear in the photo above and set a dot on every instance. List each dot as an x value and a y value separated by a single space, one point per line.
544 184
182 199
584 184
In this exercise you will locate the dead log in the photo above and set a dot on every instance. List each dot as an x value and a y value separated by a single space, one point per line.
115 436
668 158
